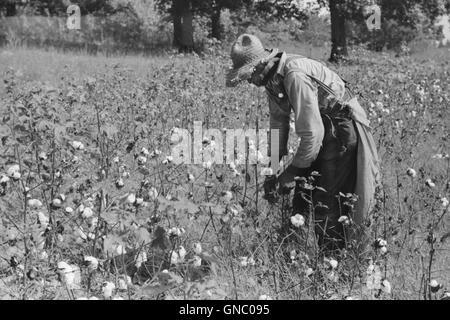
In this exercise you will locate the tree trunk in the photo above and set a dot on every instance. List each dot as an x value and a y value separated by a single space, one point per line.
11 9
216 26
183 31
338 35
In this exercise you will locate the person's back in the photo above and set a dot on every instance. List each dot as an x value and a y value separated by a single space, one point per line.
316 69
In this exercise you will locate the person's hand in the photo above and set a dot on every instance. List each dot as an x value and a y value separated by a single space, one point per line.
286 180
270 189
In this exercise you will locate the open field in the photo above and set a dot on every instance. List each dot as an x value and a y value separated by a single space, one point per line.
77 125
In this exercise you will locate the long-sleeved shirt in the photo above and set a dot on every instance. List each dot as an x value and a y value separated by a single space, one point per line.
292 90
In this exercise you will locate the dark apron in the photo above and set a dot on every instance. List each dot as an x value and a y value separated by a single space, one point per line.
336 164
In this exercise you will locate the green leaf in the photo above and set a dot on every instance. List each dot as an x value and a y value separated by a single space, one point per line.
143 236
4 131
321 189
110 131
111 242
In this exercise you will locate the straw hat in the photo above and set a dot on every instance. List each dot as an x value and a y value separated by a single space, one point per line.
246 53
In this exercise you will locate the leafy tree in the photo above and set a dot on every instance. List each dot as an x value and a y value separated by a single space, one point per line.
268 9
8 8
401 20
213 9
181 14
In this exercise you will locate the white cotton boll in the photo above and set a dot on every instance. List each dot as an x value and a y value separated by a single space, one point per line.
4 180
12 170
139 201
197 248
227 196
140 259
77 145
94 298
264 297
298 220
34 203
176 232
411 172
117 298
386 287
119 183
131 198
333 263
120 250
141 160
381 242
43 219
174 258
197 261
82 298
16 176
234 211
107 290
251 261
42 156
62 265
434 283
122 285
266 172
293 254
430 183
43 255
309 271
153 193
181 252
70 274
87 213
155 153
243 261
444 202
145 151
168 160
56 203
383 250
91 262
116 160
344 220
92 223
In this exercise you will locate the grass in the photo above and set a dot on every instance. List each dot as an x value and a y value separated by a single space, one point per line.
116 106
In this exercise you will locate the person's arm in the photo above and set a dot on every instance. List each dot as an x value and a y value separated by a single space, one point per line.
279 120
308 123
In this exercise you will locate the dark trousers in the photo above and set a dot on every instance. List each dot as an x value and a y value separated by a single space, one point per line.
336 164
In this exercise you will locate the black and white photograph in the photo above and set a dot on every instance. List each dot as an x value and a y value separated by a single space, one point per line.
241 152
